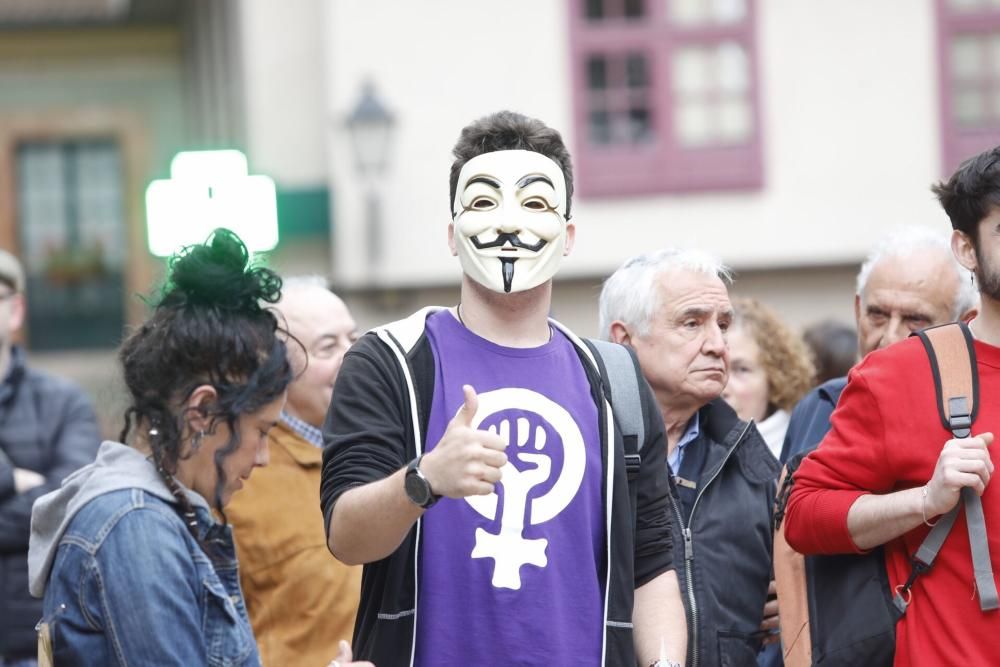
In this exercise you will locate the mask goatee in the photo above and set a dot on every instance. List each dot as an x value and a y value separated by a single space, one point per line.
508 274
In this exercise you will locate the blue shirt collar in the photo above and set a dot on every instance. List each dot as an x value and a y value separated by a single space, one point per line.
306 431
676 457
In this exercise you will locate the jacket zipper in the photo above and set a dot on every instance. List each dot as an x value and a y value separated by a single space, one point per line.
689 583
689 546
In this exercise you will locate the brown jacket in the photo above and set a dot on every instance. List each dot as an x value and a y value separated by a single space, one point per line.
301 600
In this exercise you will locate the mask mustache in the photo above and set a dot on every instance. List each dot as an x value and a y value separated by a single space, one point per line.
505 238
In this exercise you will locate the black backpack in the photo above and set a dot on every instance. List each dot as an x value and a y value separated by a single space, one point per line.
850 613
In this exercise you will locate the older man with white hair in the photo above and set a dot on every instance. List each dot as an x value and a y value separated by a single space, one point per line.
909 281
896 461
301 601
672 307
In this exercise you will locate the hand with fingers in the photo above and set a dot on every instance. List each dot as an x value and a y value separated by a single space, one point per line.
962 463
466 461
26 480
346 659
770 623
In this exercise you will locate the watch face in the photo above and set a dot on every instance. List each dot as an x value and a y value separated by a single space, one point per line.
417 488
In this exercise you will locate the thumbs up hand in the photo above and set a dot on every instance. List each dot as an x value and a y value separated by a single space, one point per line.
465 461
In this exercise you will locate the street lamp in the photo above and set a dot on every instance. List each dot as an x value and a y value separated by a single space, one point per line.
370 126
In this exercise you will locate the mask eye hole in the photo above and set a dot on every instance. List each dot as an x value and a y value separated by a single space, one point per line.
536 204
483 204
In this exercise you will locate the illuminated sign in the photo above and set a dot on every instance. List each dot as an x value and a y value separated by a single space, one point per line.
209 189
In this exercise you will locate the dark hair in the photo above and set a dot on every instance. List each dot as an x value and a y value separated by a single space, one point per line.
507 131
971 192
834 347
208 327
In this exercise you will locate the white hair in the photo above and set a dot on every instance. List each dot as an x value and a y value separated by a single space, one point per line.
294 283
906 241
630 294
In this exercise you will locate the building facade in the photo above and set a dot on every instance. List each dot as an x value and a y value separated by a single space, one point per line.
782 135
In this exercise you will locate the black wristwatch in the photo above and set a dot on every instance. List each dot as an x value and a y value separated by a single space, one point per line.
418 489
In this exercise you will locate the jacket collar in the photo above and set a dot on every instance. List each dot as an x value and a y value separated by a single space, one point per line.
303 452
719 421
831 389
724 431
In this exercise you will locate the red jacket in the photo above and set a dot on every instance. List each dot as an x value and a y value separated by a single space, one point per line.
886 436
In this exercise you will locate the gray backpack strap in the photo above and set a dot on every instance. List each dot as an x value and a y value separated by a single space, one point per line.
622 387
982 566
952 356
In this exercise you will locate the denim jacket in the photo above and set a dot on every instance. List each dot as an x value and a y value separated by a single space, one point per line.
123 580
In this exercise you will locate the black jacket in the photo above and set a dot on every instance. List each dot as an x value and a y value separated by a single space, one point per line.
810 420
723 554
48 426
369 435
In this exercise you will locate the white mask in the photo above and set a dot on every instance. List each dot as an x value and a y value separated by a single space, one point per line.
510 219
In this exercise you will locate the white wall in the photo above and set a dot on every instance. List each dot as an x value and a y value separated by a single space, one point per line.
850 130
438 64
284 60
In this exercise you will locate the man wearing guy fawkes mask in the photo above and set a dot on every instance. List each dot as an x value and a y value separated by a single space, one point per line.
511 227
466 448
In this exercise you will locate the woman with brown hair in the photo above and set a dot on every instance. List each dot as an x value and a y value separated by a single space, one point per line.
769 370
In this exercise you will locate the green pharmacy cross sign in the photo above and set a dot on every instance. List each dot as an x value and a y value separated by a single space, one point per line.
209 189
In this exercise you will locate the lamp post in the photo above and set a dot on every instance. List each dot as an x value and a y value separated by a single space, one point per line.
370 126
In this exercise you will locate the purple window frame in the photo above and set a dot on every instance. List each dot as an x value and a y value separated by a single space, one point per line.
663 165
959 143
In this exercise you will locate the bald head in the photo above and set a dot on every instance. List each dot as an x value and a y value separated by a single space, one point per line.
321 322
911 281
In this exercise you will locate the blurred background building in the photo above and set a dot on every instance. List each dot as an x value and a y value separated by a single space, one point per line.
783 135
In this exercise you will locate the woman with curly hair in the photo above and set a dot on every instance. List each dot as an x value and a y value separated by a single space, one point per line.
133 554
769 370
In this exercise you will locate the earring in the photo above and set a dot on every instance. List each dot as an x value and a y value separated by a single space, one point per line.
972 277
196 441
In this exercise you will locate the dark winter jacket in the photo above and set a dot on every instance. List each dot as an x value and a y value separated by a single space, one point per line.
810 420
723 552
370 433
48 426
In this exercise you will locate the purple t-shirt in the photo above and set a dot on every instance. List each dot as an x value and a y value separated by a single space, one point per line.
513 578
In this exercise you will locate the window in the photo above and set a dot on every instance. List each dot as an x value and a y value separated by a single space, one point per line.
72 242
665 95
969 49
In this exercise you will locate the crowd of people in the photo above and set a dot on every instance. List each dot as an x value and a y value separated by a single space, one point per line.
478 485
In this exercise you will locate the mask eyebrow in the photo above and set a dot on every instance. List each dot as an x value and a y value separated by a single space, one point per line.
534 178
483 179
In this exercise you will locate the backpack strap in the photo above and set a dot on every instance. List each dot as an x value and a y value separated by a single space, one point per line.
790 581
620 378
952 356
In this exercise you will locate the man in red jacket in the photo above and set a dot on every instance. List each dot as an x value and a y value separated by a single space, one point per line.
888 468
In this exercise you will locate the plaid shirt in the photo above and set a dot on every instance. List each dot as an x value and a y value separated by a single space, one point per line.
308 432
